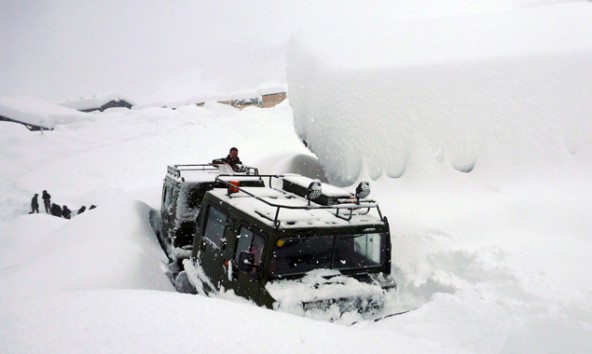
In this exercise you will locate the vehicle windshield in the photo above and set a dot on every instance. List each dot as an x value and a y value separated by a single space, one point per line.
295 255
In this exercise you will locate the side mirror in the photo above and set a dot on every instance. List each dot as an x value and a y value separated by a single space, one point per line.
246 261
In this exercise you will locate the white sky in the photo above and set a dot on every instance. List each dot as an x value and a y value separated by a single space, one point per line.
491 263
159 51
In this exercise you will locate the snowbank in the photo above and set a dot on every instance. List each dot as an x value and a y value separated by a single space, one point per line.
487 271
141 321
497 95
84 252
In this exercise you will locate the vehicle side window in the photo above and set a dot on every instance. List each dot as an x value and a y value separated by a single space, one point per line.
168 198
214 227
164 194
248 241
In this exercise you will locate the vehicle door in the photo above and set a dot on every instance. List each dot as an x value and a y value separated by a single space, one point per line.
248 281
210 258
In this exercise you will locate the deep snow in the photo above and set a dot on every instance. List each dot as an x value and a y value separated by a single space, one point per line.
488 271
491 263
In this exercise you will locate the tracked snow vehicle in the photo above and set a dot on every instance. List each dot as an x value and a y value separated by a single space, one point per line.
184 187
293 245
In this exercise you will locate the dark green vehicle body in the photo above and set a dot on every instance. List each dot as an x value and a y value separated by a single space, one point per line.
184 187
258 242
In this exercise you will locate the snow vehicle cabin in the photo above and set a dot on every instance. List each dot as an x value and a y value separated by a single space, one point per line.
183 189
285 242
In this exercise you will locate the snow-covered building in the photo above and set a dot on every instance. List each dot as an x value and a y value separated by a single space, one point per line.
263 98
36 114
242 103
99 102
271 99
32 127
459 94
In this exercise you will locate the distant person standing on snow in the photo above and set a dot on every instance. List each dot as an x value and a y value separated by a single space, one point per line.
46 201
34 204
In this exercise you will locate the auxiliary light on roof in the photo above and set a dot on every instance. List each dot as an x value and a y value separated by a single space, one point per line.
362 191
233 187
314 190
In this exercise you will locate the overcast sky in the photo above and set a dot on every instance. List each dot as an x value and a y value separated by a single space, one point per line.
63 49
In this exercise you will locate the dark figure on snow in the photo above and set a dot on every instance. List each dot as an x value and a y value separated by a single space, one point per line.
66 213
92 207
56 210
81 210
34 204
231 160
46 201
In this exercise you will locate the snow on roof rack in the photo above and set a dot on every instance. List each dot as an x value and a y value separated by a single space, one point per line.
176 171
350 204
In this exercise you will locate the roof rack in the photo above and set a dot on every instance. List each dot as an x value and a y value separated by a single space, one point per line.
176 171
344 204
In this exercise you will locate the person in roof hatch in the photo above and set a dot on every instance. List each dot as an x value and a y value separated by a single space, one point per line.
232 160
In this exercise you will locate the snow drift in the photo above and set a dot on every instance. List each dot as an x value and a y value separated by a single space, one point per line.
495 95
492 271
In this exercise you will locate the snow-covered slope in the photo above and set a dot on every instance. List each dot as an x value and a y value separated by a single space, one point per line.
487 271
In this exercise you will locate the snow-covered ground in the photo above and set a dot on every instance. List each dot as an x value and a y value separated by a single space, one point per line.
495 260
488 270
